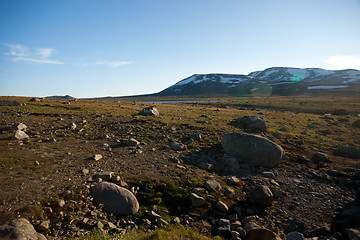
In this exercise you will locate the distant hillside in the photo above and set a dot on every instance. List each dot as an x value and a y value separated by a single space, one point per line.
62 97
276 80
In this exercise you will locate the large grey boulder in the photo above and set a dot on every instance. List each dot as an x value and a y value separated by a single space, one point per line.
252 149
149 111
20 229
116 199
252 123
11 103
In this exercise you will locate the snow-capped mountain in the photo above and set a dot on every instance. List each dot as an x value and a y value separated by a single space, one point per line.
276 80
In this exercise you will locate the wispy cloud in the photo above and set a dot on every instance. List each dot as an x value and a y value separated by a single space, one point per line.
16 50
44 52
21 53
33 60
113 64
344 61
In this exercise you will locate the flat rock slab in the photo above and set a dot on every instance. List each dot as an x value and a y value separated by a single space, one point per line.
252 149
116 199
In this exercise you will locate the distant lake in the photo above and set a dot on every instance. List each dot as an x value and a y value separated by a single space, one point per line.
185 101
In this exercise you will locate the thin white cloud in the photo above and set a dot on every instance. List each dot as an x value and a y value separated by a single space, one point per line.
113 64
344 61
44 52
21 53
17 50
33 60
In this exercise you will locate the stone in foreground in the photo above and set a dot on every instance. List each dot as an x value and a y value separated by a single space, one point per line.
117 200
20 229
252 149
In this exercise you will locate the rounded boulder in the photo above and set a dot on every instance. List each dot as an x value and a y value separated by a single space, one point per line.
252 149
116 199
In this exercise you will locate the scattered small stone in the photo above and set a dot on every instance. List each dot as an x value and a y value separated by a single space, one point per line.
61 203
213 185
196 200
352 233
149 111
35 100
196 136
162 223
262 233
295 236
233 180
262 195
153 214
268 174
181 167
85 171
20 135
43 226
97 157
111 225
223 222
176 220
229 191
132 142
21 127
177 146
100 225
105 176
222 207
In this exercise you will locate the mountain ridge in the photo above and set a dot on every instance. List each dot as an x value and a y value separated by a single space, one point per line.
274 80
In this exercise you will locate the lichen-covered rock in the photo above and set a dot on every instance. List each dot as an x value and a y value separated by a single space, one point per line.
252 149
116 199
20 229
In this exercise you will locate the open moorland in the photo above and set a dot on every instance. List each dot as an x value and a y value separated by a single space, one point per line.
186 184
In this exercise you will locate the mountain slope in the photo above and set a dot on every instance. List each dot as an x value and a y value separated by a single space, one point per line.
276 80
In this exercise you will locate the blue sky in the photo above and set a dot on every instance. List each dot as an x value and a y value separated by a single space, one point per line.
88 48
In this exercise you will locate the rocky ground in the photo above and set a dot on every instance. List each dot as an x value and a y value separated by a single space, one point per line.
178 171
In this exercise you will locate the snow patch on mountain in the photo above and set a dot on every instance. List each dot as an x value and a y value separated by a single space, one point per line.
327 87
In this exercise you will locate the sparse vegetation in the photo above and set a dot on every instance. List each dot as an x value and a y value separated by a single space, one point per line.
165 178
